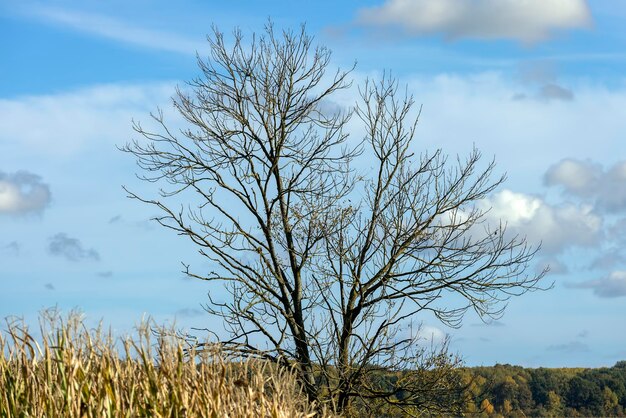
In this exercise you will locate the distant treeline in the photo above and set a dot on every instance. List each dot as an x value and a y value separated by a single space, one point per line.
512 391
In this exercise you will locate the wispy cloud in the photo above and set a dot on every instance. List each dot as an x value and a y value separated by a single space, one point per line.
522 20
110 28
555 265
547 93
13 248
147 224
612 286
23 192
608 260
571 347
68 121
71 249
555 92
189 312
492 323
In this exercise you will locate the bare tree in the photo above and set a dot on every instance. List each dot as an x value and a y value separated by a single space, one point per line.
328 265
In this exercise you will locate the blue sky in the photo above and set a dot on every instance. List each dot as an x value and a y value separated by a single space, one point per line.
539 84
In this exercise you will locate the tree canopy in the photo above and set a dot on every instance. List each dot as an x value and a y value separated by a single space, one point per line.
331 246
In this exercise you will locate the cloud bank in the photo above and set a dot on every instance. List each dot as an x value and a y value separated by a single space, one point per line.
605 191
522 20
22 193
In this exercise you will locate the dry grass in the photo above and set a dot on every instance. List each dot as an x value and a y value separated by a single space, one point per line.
76 372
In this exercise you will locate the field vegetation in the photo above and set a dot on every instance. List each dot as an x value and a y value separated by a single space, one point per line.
66 369
73 371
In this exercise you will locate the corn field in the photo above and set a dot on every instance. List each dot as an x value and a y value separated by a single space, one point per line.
74 371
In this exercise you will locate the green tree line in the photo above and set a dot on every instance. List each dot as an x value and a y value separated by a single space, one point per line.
511 391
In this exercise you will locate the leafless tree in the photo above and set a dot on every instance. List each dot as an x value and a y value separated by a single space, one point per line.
328 261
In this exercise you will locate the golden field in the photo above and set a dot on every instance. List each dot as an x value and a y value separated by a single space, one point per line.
72 371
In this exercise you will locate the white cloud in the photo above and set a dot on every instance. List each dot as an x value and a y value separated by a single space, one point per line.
516 209
556 227
589 180
523 20
612 286
117 30
22 193
62 124
579 177
431 334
